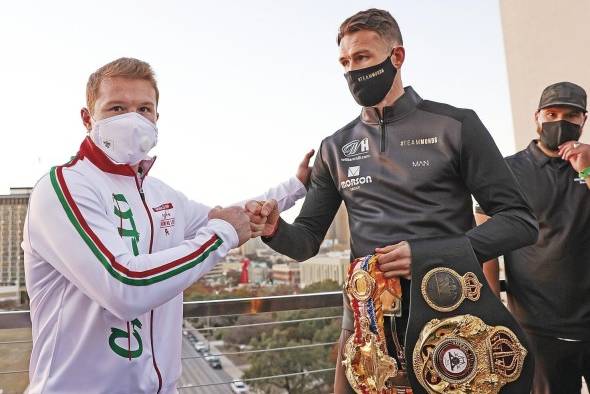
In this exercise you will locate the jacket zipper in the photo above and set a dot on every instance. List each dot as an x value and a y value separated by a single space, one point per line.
153 353
147 211
382 126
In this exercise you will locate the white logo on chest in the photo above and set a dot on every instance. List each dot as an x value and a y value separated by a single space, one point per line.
421 163
354 179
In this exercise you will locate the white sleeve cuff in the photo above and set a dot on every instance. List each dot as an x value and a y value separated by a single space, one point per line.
225 231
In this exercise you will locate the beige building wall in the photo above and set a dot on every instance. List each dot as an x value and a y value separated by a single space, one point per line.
546 41
323 267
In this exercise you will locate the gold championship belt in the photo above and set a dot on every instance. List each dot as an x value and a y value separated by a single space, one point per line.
460 338
369 367
462 354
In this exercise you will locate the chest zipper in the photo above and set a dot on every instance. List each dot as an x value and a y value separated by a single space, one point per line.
139 183
383 141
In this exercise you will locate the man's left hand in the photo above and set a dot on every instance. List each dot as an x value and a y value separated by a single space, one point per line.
304 170
395 260
576 153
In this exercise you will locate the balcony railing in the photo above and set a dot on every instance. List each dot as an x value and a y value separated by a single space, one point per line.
217 308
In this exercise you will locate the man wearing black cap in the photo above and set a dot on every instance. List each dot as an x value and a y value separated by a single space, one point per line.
548 283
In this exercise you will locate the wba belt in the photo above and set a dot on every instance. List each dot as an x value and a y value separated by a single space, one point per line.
460 337
369 366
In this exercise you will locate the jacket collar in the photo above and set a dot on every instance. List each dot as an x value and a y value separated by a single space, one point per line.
541 158
400 108
88 150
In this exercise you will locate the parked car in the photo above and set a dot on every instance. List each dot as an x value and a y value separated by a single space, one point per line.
214 361
239 387
201 347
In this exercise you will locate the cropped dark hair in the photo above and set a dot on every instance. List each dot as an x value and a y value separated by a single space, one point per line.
379 21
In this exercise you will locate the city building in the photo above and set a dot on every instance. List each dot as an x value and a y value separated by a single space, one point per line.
332 266
215 275
250 247
286 273
258 273
13 210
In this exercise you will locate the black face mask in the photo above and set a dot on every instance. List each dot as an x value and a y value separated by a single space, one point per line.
370 85
556 133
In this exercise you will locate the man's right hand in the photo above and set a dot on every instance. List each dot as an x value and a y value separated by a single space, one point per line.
267 215
237 218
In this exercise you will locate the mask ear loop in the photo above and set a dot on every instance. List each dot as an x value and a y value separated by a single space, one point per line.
89 132
93 122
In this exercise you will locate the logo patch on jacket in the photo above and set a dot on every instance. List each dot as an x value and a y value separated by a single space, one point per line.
356 150
163 207
355 179
166 220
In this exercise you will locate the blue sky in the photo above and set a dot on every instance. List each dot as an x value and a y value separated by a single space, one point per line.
246 87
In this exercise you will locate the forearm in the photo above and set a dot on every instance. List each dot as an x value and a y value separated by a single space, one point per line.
296 241
302 239
505 231
491 270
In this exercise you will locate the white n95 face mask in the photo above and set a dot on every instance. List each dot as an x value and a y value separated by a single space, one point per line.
125 138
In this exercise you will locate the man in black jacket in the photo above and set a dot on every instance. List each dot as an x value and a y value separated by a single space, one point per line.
548 283
405 168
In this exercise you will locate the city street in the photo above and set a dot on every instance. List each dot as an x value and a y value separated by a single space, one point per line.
197 371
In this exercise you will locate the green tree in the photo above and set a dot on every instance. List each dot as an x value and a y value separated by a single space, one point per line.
296 360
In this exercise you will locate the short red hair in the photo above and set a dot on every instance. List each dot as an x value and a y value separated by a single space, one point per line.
125 67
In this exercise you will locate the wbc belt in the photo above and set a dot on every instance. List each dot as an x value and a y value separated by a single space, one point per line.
369 366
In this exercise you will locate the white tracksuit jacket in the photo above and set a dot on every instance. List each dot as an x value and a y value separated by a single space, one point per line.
107 256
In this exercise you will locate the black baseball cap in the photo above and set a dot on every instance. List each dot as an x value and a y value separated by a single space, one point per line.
563 93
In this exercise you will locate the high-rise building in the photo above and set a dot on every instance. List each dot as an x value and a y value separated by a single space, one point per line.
13 210
339 231
332 266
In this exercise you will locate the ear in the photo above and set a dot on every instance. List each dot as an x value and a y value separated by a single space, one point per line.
157 116
398 56
86 118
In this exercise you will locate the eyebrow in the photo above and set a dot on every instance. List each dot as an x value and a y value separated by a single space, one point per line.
109 103
359 52
117 102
